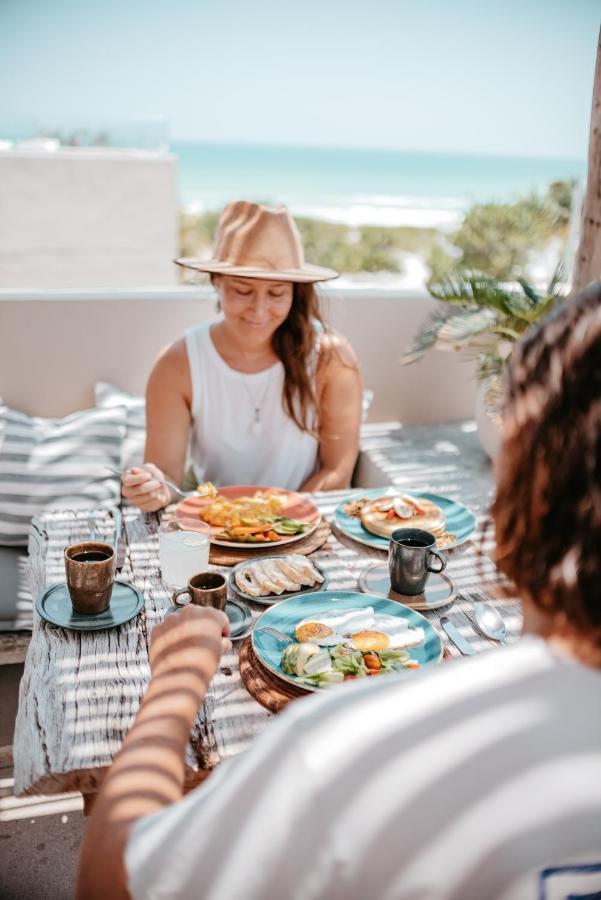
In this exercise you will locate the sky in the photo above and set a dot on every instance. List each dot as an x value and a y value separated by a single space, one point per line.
510 77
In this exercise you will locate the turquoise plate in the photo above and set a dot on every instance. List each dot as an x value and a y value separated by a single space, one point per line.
460 520
55 606
239 615
286 614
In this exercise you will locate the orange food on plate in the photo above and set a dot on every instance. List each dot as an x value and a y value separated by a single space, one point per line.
370 640
312 630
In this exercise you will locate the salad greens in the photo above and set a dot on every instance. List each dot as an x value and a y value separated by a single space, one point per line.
322 666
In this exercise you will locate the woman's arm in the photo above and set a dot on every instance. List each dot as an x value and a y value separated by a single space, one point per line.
148 772
168 418
339 395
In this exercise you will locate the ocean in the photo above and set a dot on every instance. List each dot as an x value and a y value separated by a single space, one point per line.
360 187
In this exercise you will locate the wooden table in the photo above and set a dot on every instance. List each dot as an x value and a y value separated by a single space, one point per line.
80 691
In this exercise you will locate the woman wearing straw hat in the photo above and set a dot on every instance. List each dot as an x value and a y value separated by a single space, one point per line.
266 395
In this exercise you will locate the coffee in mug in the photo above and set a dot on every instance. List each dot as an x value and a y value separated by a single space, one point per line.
205 589
410 554
90 572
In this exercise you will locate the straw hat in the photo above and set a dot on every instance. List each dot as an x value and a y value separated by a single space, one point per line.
256 241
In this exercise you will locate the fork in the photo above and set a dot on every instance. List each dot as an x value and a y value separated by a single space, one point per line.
177 491
275 633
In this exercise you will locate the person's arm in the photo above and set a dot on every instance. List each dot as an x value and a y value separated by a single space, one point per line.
148 773
168 418
339 394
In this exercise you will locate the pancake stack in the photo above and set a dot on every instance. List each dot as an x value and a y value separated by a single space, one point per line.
384 515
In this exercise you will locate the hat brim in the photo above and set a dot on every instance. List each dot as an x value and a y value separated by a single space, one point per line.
307 274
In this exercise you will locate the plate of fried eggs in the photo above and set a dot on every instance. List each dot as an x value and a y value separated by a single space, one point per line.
344 632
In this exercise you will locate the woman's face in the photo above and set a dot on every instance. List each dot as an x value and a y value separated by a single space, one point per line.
254 308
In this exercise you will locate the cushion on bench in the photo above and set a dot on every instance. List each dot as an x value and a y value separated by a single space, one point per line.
56 463
16 603
108 396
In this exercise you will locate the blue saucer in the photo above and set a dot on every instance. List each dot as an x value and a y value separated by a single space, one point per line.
238 614
55 606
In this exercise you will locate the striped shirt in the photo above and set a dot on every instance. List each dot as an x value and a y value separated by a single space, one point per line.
479 779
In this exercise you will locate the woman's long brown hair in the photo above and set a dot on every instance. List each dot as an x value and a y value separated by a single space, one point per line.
295 343
547 510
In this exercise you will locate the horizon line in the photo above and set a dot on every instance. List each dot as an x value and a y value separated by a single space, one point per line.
372 148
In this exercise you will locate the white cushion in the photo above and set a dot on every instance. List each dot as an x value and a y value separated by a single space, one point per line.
16 602
56 463
108 397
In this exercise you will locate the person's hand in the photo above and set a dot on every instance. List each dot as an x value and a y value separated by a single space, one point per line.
143 486
189 644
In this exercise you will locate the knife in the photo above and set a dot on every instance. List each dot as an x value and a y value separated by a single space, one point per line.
457 638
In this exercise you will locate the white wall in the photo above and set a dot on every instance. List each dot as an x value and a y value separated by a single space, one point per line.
87 218
53 347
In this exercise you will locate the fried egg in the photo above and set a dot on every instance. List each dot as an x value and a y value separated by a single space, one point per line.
366 630
370 641
346 622
316 633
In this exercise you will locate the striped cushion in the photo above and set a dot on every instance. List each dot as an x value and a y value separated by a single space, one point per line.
60 463
107 397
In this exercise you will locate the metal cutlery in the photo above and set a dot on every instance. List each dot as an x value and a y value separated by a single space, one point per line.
490 621
177 491
487 619
275 633
456 637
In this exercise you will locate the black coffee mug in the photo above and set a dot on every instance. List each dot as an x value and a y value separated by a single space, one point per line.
409 558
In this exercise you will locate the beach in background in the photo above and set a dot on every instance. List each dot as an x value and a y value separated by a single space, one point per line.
361 187
386 216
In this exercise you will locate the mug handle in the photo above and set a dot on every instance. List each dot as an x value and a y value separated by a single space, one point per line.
178 593
441 558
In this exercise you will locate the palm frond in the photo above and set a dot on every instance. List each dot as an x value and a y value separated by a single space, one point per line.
472 289
427 336
484 317
459 329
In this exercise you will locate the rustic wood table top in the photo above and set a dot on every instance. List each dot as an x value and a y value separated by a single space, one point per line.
80 690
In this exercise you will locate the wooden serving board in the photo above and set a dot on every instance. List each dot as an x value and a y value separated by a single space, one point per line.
266 689
231 556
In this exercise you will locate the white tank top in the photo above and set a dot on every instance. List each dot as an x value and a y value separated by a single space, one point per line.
224 448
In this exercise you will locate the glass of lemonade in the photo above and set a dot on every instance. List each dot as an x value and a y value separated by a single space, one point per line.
183 550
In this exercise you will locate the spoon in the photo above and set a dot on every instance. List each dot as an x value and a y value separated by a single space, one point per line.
490 621
169 484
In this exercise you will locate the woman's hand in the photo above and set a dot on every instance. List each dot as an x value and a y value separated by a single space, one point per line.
143 486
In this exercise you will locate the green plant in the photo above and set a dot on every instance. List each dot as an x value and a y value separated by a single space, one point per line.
483 318
498 238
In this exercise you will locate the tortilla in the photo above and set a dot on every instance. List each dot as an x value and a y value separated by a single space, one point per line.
375 520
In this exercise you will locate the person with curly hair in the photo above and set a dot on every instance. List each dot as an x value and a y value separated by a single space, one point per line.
478 779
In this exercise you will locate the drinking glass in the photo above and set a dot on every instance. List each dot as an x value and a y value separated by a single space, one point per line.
183 550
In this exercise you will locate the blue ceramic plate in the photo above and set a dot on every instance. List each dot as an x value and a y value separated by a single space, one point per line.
239 615
460 520
55 606
286 614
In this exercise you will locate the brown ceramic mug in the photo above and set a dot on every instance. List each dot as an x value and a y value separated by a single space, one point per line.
90 571
205 589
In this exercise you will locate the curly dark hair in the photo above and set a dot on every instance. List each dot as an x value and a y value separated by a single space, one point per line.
547 510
